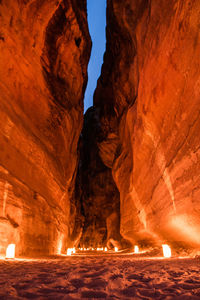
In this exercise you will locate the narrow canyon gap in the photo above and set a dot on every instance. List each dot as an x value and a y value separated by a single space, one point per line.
132 174
96 12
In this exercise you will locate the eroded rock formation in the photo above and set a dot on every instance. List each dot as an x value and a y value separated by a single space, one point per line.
45 48
96 189
143 131
148 97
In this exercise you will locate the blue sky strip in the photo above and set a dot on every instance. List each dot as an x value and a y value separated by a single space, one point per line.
97 23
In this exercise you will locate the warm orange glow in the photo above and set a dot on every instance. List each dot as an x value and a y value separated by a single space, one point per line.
166 251
10 251
136 249
186 228
59 247
69 251
100 249
105 249
116 249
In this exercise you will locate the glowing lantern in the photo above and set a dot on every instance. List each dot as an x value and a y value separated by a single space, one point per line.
59 247
74 250
116 249
136 249
166 251
105 249
10 251
69 251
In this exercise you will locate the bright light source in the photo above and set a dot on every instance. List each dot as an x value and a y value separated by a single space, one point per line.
74 250
69 251
136 249
105 249
59 247
10 251
166 251
116 249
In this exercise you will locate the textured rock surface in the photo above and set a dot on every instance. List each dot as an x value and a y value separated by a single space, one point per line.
96 188
149 96
45 48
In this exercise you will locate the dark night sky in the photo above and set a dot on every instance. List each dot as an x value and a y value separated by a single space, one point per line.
97 23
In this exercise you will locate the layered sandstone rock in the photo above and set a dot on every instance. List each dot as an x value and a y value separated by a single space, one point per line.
149 96
45 48
96 189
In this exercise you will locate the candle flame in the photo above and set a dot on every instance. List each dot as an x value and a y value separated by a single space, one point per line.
69 251
136 249
10 251
166 251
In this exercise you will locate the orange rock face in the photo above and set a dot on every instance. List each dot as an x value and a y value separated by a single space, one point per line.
45 48
96 189
149 96
147 102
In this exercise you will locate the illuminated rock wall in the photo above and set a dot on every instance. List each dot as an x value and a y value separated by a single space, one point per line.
149 96
96 188
45 48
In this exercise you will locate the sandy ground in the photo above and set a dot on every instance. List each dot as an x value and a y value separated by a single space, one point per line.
102 277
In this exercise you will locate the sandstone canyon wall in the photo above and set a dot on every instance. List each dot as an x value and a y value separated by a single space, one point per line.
44 52
96 189
148 97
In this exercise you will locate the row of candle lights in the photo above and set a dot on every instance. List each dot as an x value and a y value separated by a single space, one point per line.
94 249
165 247
10 252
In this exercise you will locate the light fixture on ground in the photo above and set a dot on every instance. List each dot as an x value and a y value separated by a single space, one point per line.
166 250
69 251
10 251
136 249
116 249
